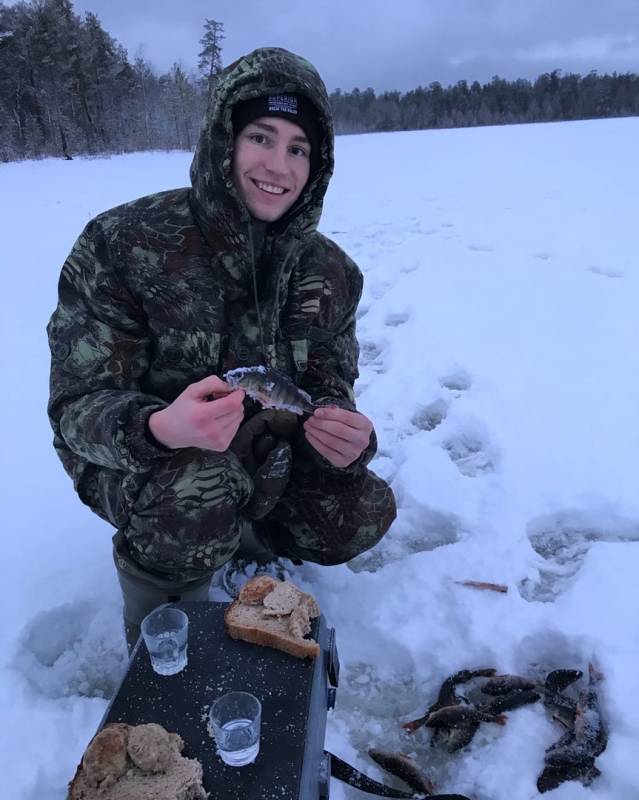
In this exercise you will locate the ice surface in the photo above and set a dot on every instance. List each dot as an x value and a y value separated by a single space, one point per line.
499 364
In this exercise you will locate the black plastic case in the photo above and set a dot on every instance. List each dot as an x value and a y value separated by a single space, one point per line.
295 695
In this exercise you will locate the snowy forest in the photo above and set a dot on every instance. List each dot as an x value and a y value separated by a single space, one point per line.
68 88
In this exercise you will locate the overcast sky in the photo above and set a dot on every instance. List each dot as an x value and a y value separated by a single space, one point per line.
390 44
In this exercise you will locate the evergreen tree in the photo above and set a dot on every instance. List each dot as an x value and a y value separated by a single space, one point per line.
210 57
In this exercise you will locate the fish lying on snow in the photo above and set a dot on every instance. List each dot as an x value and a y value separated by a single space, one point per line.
271 388
447 695
404 767
573 756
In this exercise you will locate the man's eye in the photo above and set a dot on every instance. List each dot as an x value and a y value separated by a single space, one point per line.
258 138
299 151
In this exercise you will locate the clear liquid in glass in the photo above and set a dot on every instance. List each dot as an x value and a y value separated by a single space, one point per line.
238 742
168 654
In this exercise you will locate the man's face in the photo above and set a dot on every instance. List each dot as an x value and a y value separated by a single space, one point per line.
271 164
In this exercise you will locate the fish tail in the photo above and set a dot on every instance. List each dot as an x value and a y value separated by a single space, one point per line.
413 725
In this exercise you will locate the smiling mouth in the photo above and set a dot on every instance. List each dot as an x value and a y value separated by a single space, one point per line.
269 188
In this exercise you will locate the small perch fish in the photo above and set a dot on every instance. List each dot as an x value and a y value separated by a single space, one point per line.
510 701
271 388
447 695
403 767
450 716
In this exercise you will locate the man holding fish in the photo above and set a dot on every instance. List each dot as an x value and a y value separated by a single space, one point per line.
164 297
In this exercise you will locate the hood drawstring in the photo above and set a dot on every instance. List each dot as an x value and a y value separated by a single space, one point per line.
289 252
255 292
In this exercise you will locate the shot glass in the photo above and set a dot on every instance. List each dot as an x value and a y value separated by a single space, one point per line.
165 631
234 722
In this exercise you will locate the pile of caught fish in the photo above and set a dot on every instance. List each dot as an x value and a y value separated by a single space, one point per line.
455 718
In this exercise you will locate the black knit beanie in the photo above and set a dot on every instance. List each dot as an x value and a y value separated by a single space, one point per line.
293 107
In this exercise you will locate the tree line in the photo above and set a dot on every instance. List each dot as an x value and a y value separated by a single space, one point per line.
551 97
67 87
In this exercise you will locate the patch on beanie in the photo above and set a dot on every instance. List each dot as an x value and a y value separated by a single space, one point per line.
283 104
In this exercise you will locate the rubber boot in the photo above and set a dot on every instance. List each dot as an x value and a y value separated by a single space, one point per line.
253 557
143 591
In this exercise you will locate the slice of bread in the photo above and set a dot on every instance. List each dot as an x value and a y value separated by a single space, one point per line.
275 614
137 762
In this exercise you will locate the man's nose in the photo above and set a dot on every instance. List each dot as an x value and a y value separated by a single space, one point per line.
276 160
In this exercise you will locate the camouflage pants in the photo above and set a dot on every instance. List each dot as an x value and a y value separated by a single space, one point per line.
182 520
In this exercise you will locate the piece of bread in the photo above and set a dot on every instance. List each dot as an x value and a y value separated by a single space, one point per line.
255 590
274 614
137 762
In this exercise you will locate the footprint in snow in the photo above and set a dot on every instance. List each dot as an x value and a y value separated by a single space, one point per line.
542 256
428 417
394 320
608 273
563 540
471 452
371 355
418 529
73 649
481 248
456 380
379 289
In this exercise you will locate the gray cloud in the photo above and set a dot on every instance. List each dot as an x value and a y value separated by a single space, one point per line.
396 45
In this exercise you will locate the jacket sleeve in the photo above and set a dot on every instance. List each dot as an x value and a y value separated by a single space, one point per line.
333 353
100 346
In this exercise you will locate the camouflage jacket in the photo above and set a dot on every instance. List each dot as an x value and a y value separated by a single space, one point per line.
158 293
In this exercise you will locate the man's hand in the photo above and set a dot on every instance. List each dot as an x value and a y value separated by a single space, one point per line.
340 436
194 420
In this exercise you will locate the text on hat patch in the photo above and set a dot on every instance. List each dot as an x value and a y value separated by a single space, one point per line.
282 103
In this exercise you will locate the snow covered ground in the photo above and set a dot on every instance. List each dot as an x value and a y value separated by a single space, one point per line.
499 361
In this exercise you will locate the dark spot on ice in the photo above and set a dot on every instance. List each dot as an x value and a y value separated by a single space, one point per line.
374 697
538 654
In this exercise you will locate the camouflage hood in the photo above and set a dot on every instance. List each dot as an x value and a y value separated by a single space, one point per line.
214 199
